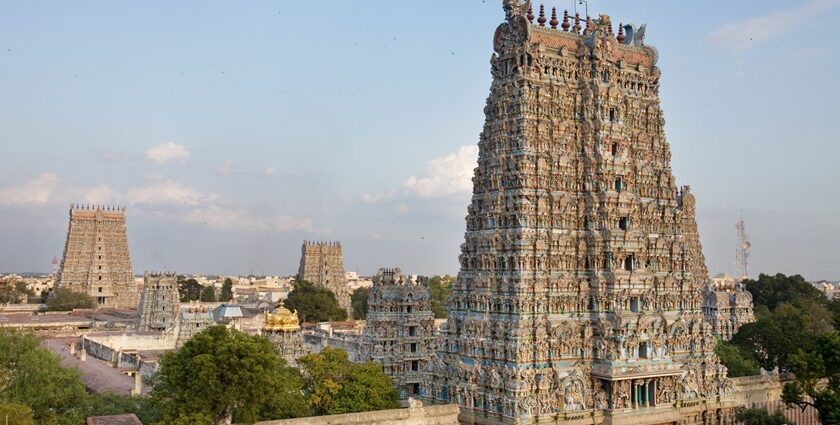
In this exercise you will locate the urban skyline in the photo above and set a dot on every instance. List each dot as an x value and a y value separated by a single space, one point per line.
202 137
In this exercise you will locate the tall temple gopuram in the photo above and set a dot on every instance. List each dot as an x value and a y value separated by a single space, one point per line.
322 264
96 260
580 289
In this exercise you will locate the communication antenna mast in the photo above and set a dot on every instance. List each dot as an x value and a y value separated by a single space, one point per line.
742 254
54 266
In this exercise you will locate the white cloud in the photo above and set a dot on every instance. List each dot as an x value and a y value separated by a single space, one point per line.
36 191
167 152
377 197
285 223
448 175
745 34
270 171
227 167
224 218
219 217
101 194
401 208
167 193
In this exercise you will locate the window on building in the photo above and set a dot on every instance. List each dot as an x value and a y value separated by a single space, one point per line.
615 149
100 277
413 347
412 331
634 304
415 365
644 350
629 263
619 184
100 289
623 222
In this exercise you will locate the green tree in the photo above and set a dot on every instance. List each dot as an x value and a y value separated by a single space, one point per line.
441 288
790 315
359 301
314 304
335 385
189 289
771 291
227 290
104 404
760 416
33 376
63 299
15 414
811 369
736 360
208 294
225 375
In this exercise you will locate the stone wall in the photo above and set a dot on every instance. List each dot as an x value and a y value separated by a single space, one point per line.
766 391
109 347
428 415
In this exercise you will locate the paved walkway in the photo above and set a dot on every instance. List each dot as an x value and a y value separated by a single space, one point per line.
97 375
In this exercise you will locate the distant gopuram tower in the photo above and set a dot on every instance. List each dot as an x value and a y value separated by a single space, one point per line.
160 302
400 329
96 259
580 289
322 264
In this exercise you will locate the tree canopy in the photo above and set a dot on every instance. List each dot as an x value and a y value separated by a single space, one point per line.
314 304
796 331
440 287
335 385
227 290
226 375
208 294
810 368
37 389
63 299
359 301
32 376
790 314
189 289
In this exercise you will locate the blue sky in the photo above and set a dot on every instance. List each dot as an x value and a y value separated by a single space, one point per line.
232 131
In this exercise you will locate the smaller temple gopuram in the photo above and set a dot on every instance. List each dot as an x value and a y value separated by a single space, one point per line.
96 260
727 306
159 302
322 264
400 329
282 327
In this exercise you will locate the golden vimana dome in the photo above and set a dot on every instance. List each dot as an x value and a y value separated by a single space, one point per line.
281 319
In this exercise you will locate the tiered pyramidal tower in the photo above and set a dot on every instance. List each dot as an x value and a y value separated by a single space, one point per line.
322 264
580 289
400 329
96 260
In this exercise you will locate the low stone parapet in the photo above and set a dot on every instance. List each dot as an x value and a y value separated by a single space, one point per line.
426 415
